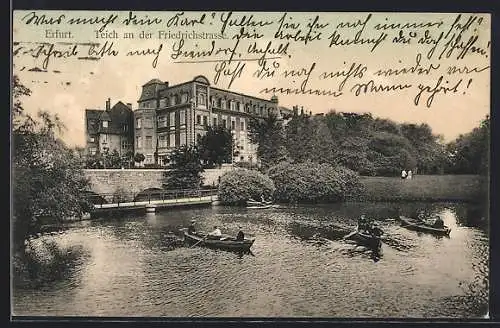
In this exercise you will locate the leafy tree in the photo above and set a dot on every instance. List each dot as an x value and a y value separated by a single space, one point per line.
470 153
268 135
185 169
215 146
48 181
139 158
113 160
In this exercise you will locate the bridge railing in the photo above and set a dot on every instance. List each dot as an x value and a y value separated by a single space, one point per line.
155 196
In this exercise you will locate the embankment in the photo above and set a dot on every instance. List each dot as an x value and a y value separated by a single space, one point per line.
466 188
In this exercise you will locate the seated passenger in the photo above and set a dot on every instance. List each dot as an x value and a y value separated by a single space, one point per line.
241 235
216 234
191 228
438 223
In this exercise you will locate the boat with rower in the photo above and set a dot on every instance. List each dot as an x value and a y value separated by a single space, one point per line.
421 226
225 242
365 239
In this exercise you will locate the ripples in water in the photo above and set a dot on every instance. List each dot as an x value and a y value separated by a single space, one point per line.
300 266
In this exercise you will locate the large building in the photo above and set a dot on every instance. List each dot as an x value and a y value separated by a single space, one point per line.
170 116
109 129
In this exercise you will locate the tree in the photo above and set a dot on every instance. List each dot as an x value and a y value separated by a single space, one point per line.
470 153
185 169
113 160
215 146
268 135
139 158
48 181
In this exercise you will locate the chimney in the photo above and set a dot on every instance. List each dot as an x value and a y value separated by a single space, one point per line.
108 104
129 105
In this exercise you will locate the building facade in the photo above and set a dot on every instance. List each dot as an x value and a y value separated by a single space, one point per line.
109 129
171 116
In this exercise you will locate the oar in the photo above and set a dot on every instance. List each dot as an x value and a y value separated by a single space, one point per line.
198 242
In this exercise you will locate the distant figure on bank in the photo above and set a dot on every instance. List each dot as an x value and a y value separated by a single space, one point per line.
240 235
403 174
410 175
262 198
191 228
216 234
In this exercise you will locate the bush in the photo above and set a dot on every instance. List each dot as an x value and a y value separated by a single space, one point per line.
312 183
239 185
44 263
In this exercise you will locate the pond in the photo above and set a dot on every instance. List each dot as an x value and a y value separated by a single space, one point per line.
299 266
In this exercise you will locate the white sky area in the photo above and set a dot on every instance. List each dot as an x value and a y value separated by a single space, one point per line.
69 85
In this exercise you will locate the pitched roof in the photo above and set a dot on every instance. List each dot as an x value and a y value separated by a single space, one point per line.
154 81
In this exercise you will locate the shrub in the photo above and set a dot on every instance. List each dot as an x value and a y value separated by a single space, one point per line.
312 182
239 185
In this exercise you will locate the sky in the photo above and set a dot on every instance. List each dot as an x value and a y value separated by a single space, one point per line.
67 86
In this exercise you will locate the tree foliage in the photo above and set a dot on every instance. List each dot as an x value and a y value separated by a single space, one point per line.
268 134
215 146
185 169
311 182
238 186
470 153
48 180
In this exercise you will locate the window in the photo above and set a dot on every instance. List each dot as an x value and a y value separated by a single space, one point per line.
223 103
173 100
241 107
184 98
171 140
215 121
201 99
182 140
172 119
162 121
182 117
149 158
138 122
205 120
148 123
198 119
104 138
224 123
104 124
163 102
214 102
125 144
233 124
242 125
198 137
92 139
149 142
93 151
138 142
125 127
232 105
162 141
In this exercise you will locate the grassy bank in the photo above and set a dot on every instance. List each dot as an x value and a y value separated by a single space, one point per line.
469 188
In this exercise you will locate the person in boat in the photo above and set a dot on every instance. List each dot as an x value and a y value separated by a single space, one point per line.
362 224
438 223
215 234
240 236
191 228
403 174
262 199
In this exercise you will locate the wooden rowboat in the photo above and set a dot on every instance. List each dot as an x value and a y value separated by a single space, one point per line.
415 225
252 204
225 243
365 239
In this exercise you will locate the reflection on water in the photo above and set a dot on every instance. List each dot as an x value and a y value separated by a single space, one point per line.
300 265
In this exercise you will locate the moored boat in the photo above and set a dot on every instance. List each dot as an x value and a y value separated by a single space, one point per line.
225 243
252 204
415 225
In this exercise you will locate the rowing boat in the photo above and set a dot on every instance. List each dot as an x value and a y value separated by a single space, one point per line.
252 204
226 242
365 239
413 224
